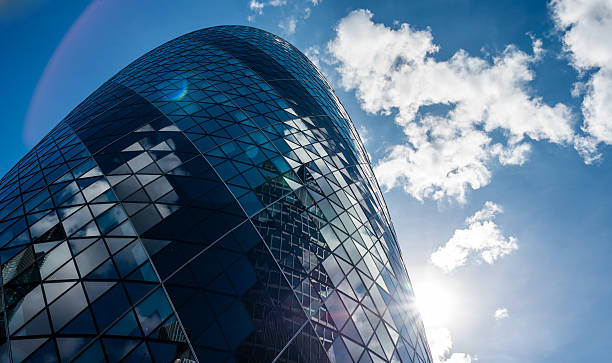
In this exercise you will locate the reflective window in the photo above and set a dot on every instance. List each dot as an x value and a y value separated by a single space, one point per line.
212 201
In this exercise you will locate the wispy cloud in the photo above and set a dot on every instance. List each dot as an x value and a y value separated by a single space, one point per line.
482 240
256 6
501 313
447 152
313 53
291 12
288 25
586 27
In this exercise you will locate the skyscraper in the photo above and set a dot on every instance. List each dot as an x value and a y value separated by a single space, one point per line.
210 202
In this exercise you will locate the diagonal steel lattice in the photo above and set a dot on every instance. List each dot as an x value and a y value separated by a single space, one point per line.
210 202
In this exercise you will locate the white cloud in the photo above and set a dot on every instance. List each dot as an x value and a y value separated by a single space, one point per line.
459 358
501 313
256 6
586 27
445 153
313 53
487 213
277 2
364 134
440 344
291 15
482 240
288 25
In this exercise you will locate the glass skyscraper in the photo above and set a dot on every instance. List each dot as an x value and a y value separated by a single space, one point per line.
211 202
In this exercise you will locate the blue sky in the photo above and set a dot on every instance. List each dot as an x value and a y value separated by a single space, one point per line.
488 123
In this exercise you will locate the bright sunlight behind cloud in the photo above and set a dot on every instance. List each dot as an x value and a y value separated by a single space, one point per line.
482 240
437 303
445 154
440 343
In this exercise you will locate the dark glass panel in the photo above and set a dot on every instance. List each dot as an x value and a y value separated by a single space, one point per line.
26 308
22 348
305 278
130 257
45 354
110 306
68 306
236 324
82 324
127 326
93 354
69 347
116 348
153 310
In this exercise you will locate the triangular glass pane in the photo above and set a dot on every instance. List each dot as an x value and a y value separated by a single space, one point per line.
55 289
96 289
338 352
69 347
67 272
37 326
127 326
354 349
82 324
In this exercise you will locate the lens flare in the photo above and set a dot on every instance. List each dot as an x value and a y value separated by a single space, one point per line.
179 93
43 109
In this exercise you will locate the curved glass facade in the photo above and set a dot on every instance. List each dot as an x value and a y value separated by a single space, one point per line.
210 202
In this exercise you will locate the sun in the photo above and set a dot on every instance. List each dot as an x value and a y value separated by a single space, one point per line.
435 302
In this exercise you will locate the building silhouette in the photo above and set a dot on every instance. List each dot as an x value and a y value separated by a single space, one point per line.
210 202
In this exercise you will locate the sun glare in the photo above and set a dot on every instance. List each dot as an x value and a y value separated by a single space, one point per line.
435 302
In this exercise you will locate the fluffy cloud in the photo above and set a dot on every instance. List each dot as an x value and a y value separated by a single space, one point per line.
482 240
440 344
586 27
447 152
501 313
